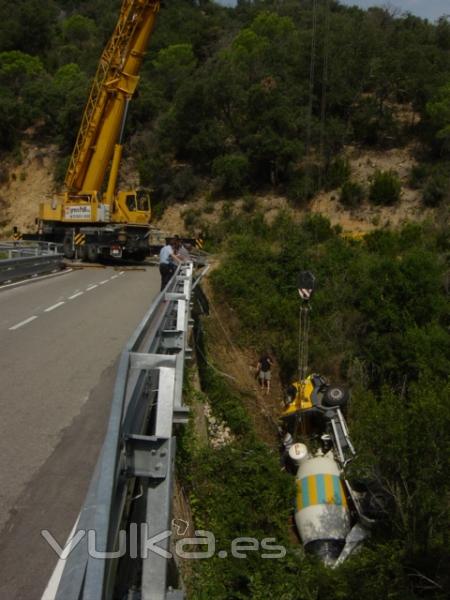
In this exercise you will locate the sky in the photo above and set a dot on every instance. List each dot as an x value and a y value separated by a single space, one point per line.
427 9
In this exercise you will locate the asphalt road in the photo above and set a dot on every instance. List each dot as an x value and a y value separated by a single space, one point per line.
60 340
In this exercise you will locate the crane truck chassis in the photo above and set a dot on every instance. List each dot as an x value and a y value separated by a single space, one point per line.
97 241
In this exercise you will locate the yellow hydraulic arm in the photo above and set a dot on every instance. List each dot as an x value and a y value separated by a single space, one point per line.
114 84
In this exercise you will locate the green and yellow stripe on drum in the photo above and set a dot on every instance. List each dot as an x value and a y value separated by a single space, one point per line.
320 489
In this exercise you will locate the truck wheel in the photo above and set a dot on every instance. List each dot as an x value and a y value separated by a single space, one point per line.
68 250
335 396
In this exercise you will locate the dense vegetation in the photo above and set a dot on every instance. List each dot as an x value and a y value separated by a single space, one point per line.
380 312
226 93
380 323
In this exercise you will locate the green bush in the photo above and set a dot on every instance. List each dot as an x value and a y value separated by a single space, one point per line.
191 219
249 203
184 182
436 189
385 188
60 169
303 185
338 173
373 125
418 175
227 211
352 194
231 172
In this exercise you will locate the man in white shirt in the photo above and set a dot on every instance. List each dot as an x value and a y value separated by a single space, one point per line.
167 260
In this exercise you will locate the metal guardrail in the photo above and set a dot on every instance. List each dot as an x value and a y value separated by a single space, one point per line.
29 248
22 260
132 483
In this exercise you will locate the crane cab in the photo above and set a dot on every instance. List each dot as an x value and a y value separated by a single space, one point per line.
132 207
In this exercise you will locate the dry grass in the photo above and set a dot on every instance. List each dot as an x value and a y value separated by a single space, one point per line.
238 365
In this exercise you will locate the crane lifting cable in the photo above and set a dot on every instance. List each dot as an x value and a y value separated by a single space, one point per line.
305 285
323 100
323 108
312 71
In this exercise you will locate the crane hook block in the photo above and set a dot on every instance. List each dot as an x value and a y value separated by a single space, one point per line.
306 284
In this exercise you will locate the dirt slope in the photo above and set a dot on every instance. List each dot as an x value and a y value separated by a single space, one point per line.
364 163
195 216
23 185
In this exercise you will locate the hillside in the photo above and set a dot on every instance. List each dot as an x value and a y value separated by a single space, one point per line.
233 102
201 213
29 182
24 185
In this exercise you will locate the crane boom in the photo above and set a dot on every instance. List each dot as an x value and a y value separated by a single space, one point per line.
115 82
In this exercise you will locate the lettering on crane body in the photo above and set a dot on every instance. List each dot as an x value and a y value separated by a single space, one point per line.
77 212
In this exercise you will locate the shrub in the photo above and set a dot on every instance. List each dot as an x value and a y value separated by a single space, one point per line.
60 169
303 185
352 194
158 207
418 175
385 188
436 189
227 211
191 219
184 182
373 126
249 203
338 173
231 172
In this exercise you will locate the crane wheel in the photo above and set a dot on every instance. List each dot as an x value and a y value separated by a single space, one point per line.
91 253
68 249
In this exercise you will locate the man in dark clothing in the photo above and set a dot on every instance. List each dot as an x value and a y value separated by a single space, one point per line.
264 375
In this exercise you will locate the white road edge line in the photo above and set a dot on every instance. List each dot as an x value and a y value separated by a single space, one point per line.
57 305
121 272
91 287
73 296
29 280
103 282
23 323
53 584
114 277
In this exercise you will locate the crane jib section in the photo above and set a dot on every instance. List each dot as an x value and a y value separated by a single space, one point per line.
115 81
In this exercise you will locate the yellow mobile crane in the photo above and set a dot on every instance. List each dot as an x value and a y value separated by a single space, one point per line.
86 218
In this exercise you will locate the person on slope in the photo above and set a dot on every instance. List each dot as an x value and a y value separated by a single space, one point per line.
264 371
